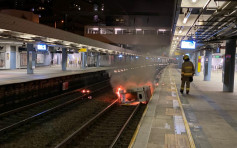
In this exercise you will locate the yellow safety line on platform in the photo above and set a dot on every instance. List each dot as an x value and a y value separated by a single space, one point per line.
138 126
190 137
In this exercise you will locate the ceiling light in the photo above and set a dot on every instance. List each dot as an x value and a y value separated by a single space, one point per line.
187 14
138 29
177 38
162 30
180 31
194 1
117 29
185 20
95 29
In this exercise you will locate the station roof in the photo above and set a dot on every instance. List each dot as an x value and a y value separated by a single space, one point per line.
207 22
17 29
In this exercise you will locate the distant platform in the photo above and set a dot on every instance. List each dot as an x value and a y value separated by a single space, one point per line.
20 75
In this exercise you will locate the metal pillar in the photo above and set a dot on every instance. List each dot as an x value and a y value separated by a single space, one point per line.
207 65
98 60
180 61
64 59
192 58
229 66
197 62
31 56
84 60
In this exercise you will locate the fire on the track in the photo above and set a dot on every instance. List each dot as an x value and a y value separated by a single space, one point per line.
133 95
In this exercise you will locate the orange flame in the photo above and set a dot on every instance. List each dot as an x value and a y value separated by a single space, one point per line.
118 92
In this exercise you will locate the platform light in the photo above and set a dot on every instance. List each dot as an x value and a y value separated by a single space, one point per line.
102 7
162 30
185 20
96 29
117 29
187 14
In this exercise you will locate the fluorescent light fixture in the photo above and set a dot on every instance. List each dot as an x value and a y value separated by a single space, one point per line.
138 29
162 30
185 20
118 29
95 28
194 1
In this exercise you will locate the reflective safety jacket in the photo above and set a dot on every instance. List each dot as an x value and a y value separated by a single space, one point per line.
187 69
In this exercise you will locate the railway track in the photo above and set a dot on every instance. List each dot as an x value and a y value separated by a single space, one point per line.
24 115
104 129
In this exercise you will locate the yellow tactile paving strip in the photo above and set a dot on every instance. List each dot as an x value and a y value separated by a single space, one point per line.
173 112
163 133
190 137
176 141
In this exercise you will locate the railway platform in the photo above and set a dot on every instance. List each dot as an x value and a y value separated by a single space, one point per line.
205 118
40 73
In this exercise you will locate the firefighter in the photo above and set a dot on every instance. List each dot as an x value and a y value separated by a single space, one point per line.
186 74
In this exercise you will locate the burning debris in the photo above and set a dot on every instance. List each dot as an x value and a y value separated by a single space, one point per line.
139 94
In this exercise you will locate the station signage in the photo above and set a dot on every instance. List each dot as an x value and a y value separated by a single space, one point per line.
82 50
42 47
188 44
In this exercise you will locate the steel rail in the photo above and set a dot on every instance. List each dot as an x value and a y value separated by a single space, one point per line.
88 123
124 126
45 101
26 120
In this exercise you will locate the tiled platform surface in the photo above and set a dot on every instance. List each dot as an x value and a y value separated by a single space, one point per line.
20 75
210 112
163 126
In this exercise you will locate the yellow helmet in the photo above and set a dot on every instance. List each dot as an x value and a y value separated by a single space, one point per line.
186 57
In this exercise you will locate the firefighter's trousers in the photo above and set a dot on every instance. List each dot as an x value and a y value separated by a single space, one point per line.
185 80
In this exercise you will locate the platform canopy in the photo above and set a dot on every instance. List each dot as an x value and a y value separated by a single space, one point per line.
17 29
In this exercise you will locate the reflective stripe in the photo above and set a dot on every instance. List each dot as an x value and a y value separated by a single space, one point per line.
190 67
188 74
181 88
187 88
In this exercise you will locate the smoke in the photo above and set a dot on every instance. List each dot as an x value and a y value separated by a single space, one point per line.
133 78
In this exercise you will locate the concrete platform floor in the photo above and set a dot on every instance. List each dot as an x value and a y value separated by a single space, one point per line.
20 75
163 125
211 114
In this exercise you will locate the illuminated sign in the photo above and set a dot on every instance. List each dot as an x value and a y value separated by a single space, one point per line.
82 50
188 44
41 47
